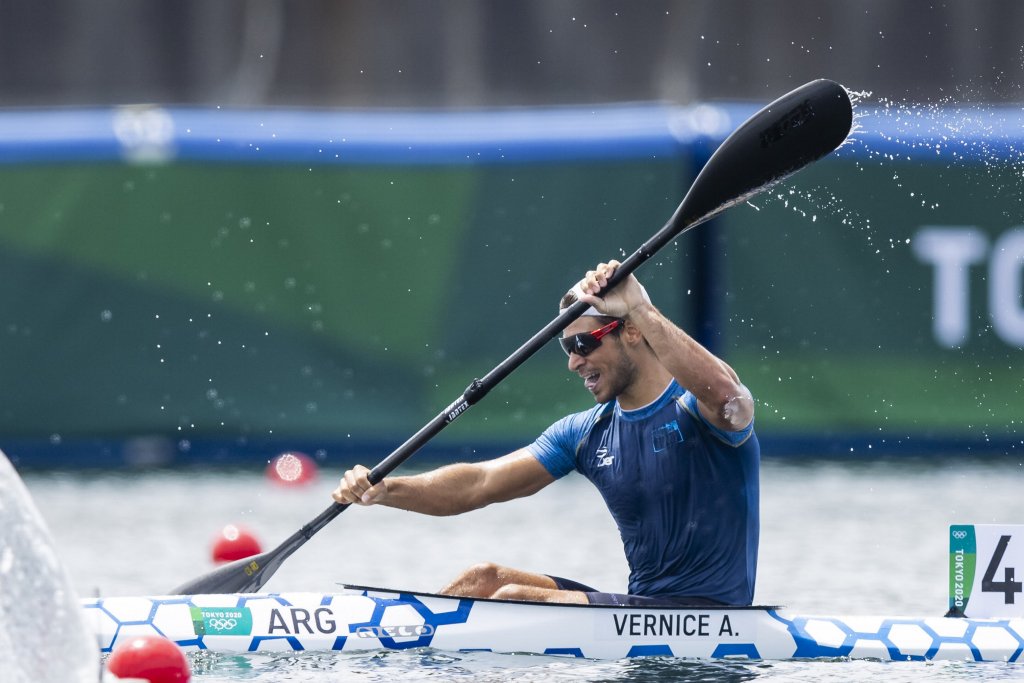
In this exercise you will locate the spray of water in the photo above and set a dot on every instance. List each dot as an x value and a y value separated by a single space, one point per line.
42 632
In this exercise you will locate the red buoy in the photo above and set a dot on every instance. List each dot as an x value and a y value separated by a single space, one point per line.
150 658
233 543
292 469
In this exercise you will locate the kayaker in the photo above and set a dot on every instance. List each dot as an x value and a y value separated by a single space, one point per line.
670 446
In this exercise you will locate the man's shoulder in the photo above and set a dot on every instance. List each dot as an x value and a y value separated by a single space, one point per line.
586 419
556 447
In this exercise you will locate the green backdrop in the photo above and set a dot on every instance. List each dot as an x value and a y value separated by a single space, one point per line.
283 302
230 299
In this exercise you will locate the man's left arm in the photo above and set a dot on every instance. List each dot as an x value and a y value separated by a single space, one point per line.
721 397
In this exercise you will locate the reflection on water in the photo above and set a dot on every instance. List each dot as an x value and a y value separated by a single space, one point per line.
426 664
431 665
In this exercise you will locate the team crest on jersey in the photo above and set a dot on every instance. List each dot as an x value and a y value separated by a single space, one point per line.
666 435
604 459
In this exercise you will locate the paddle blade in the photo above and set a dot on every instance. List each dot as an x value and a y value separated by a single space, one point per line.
788 134
246 575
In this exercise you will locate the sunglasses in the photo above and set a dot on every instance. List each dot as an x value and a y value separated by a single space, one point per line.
584 343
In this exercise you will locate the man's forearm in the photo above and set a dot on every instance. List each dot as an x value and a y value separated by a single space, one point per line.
450 490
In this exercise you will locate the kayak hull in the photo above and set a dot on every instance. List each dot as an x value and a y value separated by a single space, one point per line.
373 619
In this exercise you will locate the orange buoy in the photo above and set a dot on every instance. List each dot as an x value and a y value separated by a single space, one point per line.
233 543
150 658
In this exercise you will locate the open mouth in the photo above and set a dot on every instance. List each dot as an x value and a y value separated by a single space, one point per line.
590 380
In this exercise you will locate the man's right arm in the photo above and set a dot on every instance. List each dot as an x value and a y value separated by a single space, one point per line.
449 490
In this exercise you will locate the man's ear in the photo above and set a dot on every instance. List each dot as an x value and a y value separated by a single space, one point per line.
631 335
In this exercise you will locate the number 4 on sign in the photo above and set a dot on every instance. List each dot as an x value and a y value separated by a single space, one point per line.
1008 587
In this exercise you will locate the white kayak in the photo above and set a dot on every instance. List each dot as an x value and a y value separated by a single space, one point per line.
363 618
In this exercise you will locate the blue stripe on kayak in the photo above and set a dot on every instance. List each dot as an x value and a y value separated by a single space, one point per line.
748 650
649 651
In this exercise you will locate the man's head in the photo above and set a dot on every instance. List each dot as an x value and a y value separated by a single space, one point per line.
601 350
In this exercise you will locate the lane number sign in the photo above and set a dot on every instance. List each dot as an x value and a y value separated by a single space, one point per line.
986 570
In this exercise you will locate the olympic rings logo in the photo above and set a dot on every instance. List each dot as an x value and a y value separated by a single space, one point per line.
221 624
959 534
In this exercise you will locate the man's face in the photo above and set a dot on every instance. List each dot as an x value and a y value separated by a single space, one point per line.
606 370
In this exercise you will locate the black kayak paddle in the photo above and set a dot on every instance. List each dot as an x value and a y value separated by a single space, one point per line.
779 140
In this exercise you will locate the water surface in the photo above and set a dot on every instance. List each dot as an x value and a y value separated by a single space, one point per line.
838 538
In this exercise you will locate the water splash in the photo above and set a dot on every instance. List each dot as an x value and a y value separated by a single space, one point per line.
856 127
42 631
981 143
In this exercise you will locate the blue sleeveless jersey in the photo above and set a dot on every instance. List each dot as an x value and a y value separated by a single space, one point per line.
683 493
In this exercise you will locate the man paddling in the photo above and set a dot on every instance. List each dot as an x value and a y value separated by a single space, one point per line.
677 467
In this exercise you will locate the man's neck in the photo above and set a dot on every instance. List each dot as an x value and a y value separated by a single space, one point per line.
650 382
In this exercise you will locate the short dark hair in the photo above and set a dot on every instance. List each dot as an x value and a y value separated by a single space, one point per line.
568 299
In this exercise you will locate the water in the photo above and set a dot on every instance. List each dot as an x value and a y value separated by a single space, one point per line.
837 538
35 594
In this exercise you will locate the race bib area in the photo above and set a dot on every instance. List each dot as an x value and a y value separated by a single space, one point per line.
984 570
